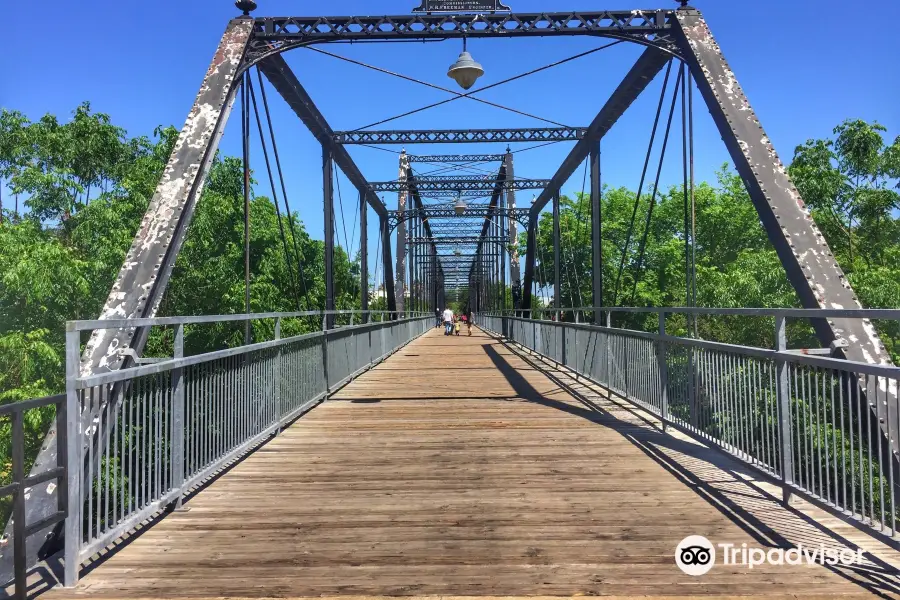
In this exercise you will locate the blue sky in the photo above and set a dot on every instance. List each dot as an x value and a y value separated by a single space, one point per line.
804 68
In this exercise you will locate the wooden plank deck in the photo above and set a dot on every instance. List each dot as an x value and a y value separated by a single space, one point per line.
459 468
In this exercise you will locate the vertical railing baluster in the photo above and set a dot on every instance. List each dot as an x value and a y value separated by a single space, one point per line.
784 410
73 458
661 349
177 460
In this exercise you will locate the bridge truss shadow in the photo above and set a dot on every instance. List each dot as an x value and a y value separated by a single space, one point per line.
718 479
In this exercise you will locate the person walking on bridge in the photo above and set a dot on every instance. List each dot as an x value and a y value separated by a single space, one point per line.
448 321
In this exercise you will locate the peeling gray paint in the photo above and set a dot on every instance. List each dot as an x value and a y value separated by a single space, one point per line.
142 280
807 259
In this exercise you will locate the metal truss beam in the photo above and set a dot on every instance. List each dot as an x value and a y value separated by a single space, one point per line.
456 158
460 241
473 213
444 194
428 185
647 66
807 259
286 83
141 283
456 136
277 34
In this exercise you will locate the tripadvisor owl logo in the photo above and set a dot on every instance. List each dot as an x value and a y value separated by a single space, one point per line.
695 555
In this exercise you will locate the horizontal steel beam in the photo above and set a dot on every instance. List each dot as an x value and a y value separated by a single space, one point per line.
428 185
474 213
456 158
469 240
455 136
277 34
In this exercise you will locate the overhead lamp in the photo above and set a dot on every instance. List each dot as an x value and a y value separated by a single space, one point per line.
465 71
460 207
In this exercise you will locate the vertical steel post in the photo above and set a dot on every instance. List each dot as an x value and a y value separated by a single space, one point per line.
328 202
73 455
245 134
177 459
402 196
501 247
596 234
662 350
20 570
277 379
325 354
515 277
556 233
363 255
783 398
388 268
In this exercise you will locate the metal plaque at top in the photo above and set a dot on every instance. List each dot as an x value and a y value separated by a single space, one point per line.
461 6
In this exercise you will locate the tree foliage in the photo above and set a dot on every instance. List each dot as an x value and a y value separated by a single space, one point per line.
850 184
85 187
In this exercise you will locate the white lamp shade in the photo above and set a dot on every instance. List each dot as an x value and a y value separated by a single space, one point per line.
465 71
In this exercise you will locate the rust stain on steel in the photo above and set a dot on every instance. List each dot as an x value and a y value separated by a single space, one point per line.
141 282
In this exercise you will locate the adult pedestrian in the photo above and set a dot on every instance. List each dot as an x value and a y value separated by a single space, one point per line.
448 321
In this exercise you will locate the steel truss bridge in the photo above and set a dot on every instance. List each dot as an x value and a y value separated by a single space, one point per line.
406 481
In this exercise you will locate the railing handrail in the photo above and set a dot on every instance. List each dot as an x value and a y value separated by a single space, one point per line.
91 324
169 364
809 313
878 370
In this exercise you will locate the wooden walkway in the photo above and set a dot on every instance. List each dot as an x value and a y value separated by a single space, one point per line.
460 468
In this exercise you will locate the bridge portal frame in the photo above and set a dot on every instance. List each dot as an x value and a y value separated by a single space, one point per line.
683 34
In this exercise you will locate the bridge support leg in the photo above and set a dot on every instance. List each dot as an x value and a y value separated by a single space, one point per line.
557 293
363 256
328 204
596 235
807 259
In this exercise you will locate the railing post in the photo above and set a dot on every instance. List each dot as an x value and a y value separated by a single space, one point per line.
178 419
783 398
20 566
609 376
325 354
661 350
73 455
277 394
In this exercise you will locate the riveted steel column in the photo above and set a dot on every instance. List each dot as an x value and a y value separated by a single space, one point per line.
402 195
363 255
807 259
515 277
596 234
557 295
328 203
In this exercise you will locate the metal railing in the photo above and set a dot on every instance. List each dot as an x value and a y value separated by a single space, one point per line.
15 494
150 433
817 424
